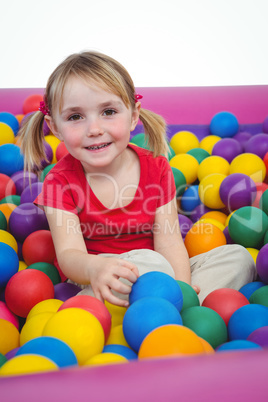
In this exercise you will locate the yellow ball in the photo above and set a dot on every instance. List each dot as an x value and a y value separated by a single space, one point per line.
183 141
104 359
45 306
117 337
187 164
251 165
209 190
6 134
212 221
9 336
228 218
117 313
208 142
6 237
78 328
218 215
53 142
22 265
213 164
33 328
26 364
253 252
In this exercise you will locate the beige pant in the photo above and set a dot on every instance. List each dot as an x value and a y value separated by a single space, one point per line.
228 266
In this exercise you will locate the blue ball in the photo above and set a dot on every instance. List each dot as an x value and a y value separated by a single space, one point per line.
121 350
157 284
144 316
9 263
10 120
190 199
224 124
248 289
247 319
53 348
11 159
238 344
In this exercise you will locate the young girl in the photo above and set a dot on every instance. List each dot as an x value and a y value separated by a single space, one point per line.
110 205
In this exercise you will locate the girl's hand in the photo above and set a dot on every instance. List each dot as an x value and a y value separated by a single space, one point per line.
104 277
197 289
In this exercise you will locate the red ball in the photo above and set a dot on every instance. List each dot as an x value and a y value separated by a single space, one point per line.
225 302
7 186
38 247
265 160
32 103
261 187
61 151
94 306
27 288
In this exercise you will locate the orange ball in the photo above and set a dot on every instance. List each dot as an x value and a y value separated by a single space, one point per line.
218 215
203 237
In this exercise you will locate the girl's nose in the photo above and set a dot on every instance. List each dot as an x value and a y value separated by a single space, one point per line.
95 127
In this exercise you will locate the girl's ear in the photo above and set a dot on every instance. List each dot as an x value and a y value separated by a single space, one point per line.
53 128
135 116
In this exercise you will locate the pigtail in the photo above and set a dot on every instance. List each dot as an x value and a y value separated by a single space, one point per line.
155 127
31 141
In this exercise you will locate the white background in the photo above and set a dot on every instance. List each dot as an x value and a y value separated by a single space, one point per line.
160 42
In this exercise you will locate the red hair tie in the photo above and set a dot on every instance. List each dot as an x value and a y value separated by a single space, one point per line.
137 97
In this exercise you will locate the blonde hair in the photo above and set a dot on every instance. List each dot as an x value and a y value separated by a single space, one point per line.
110 76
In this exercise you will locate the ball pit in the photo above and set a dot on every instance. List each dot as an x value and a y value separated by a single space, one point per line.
208 373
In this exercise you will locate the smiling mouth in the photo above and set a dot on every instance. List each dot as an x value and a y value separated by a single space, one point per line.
101 146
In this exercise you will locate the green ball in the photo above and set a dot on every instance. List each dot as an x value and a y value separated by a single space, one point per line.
265 239
3 221
3 359
180 181
48 269
190 298
171 153
46 170
260 296
11 199
247 226
199 154
141 140
206 323
263 203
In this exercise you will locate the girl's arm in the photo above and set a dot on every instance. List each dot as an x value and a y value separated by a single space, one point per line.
168 241
102 273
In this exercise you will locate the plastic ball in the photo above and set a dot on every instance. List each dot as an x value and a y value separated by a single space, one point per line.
250 287
26 219
121 350
182 141
258 145
203 237
93 306
49 269
187 164
7 186
6 314
247 319
238 344
38 246
30 193
226 233
170 340
52 348
9 263
253 252
199 154
11 199
146 314
7 238
190 199
157 284
225 302
53 141
224 124
209 190
189 295
251 165
45 306
6 134
265 125
260 296
10 120
45 171
261 188
180 181
237 190
11 159
247 226
34 326
7 210
242 137
262 264
9 336
206 323
259 336
117 313
61 151
141 140
48 155
3 221
217 215
26 364
27 288
208 142
32 103
3 359
117 336
65 290
214 222
227 148
103 359
78 328
23 179
199 211
211 165
185 224
263 202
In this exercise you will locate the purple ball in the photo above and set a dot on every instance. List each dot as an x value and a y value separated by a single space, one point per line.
9 355
46 129
265 125
30 193
226 233
23 179
227 148
65 290
259 336
258 145
49 155
237 190
242 138
199 211
26 219
262 264
185 224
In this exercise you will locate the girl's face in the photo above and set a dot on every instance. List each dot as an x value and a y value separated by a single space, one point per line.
95 125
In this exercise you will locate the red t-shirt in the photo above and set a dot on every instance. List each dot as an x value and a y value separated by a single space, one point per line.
111 230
